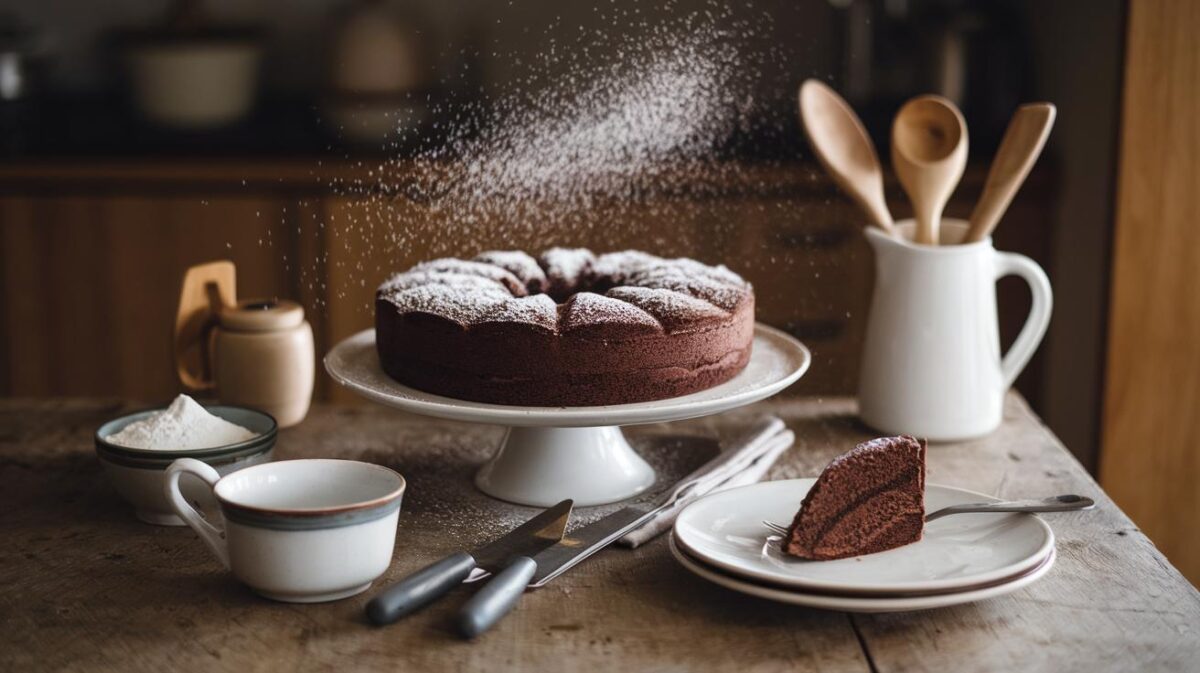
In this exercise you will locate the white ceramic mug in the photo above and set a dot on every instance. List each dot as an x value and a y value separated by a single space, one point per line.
931 363
301 531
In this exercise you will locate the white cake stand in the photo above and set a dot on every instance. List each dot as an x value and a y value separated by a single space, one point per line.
552 453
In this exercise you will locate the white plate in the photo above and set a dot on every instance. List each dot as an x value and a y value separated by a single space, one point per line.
725 530
777 360
860 603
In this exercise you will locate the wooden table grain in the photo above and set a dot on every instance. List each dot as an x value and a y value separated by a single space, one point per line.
84 586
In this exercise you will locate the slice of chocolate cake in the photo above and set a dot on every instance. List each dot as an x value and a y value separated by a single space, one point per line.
868 500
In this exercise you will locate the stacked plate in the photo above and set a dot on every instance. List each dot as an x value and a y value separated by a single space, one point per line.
961 558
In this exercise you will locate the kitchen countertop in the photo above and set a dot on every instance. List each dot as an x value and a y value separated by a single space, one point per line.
87 587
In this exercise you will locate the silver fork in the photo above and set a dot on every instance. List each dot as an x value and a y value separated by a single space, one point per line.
1057 503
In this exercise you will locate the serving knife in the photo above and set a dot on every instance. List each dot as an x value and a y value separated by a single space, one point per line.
422 587
503 591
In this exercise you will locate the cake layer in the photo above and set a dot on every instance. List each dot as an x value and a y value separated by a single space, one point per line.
512 350
617 387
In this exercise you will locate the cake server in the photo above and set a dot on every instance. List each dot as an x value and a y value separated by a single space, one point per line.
422 587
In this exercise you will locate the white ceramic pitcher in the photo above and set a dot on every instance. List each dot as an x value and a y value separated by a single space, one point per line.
931 364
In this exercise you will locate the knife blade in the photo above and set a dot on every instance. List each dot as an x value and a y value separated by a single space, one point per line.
503 592
580 544
422 587
534 535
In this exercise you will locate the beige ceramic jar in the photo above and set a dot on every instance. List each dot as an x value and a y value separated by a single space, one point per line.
263 358
255 353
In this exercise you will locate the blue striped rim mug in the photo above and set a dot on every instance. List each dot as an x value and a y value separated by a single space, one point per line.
301 531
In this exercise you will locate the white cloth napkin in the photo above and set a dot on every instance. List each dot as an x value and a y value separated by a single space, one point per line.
745 461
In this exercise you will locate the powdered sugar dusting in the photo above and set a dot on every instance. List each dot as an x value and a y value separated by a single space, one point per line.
519 264
673 293
565 269
718 286
538 309
490 271
616 266
587 309
670 308
467 283
468 304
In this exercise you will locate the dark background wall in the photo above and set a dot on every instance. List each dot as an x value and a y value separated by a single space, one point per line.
878 53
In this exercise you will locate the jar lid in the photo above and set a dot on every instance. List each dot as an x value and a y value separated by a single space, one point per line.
261 315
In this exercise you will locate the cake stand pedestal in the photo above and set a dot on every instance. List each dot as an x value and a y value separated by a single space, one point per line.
553 453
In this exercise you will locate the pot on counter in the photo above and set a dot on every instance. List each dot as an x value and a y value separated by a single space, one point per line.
379 67
192 73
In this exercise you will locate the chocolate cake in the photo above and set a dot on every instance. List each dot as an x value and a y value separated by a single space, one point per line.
569 328
868 500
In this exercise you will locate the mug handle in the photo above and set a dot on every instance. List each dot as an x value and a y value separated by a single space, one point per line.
1012 264
214 537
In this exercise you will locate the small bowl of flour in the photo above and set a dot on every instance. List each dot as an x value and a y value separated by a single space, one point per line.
135 450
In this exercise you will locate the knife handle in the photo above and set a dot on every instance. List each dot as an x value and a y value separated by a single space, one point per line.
496 598
420 588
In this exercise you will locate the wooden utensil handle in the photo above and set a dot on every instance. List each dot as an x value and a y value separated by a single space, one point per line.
1019 149
206 288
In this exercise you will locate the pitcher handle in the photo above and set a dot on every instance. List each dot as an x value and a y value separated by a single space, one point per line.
214 537
1012 264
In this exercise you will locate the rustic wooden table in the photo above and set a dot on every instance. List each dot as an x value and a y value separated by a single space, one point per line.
87 587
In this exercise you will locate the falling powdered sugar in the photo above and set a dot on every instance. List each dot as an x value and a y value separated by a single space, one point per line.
603 123
582 140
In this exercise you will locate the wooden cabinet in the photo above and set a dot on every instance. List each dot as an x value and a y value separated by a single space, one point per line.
92 256
91 281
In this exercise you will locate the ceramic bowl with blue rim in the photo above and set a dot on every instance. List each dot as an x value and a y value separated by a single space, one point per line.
137 474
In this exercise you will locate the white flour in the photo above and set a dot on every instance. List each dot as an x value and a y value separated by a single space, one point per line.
184 425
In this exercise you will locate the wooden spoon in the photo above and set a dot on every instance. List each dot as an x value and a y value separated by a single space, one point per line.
1019 150
844 149
929 153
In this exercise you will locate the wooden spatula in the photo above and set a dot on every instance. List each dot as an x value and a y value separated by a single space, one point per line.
1019 150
